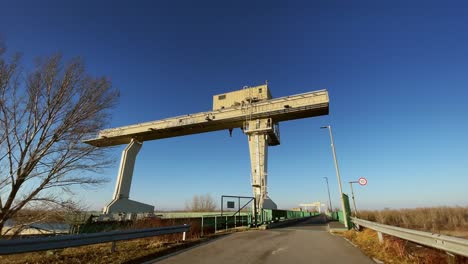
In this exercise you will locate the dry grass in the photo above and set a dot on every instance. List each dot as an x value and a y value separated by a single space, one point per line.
444 220
369 244
452 221
395 250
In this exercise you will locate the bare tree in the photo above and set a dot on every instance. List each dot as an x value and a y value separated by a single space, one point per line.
201 203
67 212
44 116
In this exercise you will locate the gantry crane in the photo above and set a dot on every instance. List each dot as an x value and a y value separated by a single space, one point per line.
251 109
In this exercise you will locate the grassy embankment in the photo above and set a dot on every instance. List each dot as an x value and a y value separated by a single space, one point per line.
451 221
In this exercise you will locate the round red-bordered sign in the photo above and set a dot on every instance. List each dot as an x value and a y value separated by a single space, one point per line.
362 181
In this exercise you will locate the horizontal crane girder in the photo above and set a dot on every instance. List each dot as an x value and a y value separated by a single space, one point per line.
279 109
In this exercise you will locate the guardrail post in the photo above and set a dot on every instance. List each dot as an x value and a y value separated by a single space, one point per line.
183 234
216 224
235 221
201 231
226 223
380 236
451 259
113 247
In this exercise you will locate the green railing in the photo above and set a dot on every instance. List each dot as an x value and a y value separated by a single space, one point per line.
215 223
273 215
336 216
209 223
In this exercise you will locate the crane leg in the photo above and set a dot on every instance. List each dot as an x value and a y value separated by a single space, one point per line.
258 147
121 201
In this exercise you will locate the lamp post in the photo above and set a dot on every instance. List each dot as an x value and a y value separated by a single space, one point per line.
337 175
329 198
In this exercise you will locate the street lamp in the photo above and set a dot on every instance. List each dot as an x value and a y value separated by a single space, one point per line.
337 175
329 198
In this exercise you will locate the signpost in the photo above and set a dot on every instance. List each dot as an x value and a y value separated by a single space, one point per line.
363 182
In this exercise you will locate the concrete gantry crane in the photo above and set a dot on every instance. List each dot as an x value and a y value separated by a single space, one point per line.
252 109
317 205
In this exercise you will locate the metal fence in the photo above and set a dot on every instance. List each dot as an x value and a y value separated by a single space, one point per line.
336 216
275 215
454 245
215 223
47 243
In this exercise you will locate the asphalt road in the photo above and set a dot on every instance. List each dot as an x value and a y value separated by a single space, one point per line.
307 242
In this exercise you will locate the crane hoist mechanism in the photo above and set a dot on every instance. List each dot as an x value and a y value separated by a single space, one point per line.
252 109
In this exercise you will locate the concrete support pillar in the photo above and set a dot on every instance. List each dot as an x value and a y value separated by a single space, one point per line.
258 147
120 201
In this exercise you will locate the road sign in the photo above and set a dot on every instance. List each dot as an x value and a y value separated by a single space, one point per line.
362 181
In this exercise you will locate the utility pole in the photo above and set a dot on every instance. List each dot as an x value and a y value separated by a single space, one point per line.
337 175
329 197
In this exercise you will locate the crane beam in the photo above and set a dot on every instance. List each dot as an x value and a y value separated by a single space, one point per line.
279 109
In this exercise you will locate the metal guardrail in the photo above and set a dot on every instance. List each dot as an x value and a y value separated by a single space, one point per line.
455 245
47 243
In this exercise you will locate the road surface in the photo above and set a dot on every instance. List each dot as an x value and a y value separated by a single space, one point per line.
306 242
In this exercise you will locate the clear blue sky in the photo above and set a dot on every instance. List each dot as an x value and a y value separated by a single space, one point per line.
396 72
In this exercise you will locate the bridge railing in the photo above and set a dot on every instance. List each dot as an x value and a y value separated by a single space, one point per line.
215 223
454 245
14 246
275 215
